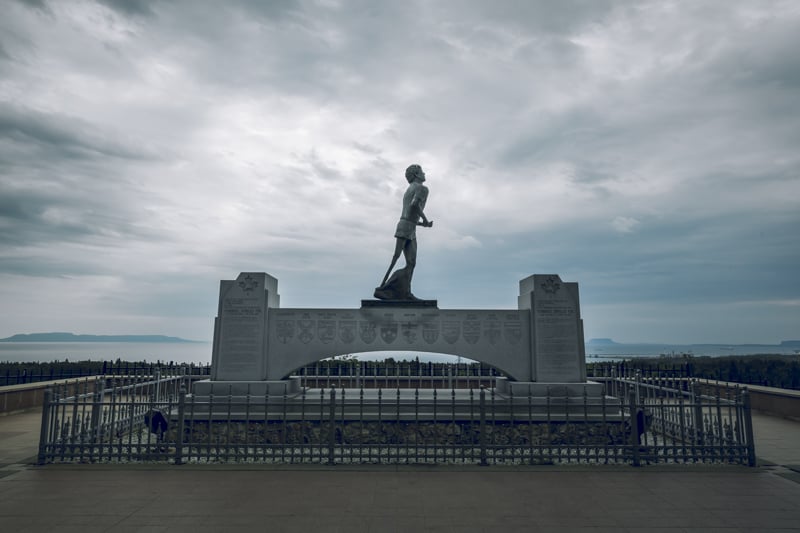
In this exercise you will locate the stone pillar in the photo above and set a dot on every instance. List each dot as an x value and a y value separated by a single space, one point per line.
241 326
558 354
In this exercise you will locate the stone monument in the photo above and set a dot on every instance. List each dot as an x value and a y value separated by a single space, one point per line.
241 341
538 346
557 345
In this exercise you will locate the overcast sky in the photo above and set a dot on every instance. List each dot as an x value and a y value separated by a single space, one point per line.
649 151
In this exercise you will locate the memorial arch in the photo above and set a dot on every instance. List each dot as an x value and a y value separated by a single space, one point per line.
255 340
302 336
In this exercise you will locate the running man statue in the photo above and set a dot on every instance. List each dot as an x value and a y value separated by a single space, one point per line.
398 286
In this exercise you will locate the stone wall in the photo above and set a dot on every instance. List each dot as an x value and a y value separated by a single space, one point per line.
404 433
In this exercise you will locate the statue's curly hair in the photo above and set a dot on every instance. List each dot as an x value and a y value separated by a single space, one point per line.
411 171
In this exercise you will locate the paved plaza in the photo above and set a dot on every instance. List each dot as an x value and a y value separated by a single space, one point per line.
90 498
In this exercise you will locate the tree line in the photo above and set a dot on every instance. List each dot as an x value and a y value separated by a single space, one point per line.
15 373
781 371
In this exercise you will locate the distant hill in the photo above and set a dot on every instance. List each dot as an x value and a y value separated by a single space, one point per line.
790 343
71 337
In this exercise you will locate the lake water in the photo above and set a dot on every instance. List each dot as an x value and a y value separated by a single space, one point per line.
623 351
200 352
194 352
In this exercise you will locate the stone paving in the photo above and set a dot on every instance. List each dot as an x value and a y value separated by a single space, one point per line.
187 498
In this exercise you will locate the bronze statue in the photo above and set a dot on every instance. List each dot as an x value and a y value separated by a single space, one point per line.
398 286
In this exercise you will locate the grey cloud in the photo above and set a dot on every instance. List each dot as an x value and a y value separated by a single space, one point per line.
681 117
548 52
35 266
19 208
689 261
366 148
67 136
40 213
348 55
59 184
4 55
124 7
530 16
34 4
320 168
550 136
132 7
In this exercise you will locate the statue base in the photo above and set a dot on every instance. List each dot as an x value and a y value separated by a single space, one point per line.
400 303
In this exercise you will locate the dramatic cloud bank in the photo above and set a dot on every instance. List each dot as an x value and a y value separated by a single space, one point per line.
647 150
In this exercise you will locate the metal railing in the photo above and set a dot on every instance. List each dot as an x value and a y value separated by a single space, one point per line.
637 421
40 372
397 374
85 420
678 416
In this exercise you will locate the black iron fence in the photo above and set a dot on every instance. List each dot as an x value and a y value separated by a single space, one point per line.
20 374
638 421
699 422
397 374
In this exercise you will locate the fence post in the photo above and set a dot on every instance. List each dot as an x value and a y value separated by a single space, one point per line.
748 429
332 434
157 376
483 426
97 410
637 376
698 413
181 421
634 428
48 398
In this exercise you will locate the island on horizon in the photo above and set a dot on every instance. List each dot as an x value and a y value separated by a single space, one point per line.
601 341
611 342
71 337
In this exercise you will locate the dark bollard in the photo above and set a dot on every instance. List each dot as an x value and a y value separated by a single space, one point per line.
642 422
157 423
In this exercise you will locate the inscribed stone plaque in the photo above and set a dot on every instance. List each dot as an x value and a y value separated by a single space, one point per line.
242 320
557 330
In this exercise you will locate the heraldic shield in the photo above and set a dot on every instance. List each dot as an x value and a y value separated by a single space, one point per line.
367 331
389 331
430 331
326 329
347 331
306 328
285 330
451 331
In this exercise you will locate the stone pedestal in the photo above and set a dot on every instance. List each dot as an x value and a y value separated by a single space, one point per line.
558 354
588 389
254 389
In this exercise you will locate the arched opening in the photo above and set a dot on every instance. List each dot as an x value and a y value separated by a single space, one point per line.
397 369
